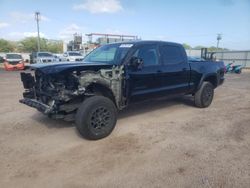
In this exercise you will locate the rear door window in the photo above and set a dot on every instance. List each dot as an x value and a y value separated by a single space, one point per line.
171 54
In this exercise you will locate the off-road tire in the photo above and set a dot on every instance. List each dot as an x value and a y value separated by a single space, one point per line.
96 117
204 96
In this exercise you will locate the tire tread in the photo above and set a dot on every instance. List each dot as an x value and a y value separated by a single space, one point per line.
83 112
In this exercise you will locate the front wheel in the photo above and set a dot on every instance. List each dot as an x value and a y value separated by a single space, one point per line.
96 117
238 71
204 96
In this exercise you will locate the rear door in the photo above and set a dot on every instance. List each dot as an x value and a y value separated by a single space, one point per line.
175 69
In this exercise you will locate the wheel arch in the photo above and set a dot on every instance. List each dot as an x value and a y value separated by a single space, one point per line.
101 89
212 78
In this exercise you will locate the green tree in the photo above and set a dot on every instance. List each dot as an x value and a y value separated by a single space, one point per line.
55 46
6 46
186 46
30 44
198 47
212 49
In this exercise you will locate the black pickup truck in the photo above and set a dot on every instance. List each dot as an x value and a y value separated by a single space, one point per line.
113 76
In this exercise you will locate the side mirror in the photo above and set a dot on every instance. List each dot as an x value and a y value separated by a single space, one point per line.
136 62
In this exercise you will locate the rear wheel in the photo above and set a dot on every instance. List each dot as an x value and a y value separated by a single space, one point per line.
96 117
204 96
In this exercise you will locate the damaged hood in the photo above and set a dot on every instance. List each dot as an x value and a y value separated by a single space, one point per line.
54 68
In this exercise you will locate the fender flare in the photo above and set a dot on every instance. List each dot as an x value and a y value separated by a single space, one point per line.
205 76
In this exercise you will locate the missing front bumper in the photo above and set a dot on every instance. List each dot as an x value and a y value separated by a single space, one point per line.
38 105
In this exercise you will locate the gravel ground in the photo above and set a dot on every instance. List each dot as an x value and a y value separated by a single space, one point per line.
159 143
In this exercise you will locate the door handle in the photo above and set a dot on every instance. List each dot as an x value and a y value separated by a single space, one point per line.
159 71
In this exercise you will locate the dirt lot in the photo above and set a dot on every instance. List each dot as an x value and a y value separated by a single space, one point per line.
166 143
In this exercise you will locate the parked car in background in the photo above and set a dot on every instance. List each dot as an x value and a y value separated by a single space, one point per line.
1 59
42 57
73 56
13 61
59 57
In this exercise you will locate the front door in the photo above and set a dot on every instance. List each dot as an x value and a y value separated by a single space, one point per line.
143 80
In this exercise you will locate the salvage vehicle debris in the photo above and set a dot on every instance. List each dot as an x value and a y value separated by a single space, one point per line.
113 76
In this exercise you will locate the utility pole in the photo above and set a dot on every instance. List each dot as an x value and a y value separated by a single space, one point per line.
219 37
37 18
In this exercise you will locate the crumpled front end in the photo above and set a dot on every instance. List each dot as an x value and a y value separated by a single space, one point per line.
56 95
59 95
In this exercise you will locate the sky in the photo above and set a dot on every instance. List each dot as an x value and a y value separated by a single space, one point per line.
195 22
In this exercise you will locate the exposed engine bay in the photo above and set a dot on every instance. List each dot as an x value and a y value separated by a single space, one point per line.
59 95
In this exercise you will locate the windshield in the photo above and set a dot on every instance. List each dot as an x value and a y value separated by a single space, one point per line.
111 53
13 56
45 54
74 54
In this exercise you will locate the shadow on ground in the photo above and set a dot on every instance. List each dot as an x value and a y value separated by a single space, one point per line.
51 123
132 110
155 104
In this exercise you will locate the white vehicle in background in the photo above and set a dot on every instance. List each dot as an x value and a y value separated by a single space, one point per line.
59 57
73 56
42 57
